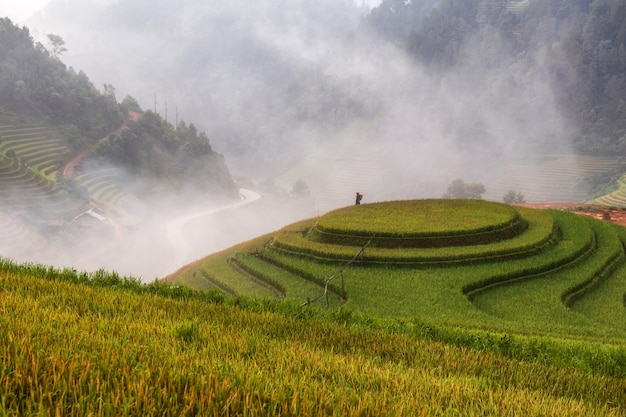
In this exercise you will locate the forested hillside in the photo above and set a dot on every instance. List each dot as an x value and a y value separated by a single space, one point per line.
36 86
582 44
78 169
35 82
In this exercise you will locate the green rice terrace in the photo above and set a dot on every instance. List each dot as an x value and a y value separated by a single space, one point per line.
32 156
467 263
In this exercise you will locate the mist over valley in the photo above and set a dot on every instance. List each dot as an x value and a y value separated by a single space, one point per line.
295 207
305 104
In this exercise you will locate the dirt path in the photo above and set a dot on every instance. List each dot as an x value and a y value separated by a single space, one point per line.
617 216
68 168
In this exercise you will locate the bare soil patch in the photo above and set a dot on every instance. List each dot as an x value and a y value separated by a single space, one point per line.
615 215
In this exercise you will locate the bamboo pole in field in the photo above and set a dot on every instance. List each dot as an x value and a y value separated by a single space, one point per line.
334 275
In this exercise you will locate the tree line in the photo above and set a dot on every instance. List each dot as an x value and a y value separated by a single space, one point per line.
34 81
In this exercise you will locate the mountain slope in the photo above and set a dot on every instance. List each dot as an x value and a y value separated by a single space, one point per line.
98 344
78 168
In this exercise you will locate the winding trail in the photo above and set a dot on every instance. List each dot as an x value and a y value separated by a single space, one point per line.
182 248
68 168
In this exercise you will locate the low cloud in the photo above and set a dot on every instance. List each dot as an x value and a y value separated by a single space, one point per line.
297 91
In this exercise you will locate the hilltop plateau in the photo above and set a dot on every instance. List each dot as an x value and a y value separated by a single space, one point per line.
467 263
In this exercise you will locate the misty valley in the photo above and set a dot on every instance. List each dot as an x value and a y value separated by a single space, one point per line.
366 102
331 207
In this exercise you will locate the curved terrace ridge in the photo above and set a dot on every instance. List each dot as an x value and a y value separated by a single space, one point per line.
419 224
540 232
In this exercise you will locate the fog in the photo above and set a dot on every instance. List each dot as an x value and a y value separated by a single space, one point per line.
298 90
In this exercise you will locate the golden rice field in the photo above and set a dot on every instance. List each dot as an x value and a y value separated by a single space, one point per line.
98 345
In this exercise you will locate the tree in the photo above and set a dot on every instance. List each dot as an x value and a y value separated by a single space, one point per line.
109 90
58 45
131 104
513 197
300 188
459 189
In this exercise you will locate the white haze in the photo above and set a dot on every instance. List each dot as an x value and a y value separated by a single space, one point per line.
224 66
21 10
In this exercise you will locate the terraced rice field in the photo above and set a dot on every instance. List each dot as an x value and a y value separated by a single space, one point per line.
554 178
615 198
96 344
31 159
103 186
509 269
31 156
38 147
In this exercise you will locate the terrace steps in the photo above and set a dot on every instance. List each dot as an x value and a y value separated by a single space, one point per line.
616 198
574 255
105 187
27 178
555 178
555 292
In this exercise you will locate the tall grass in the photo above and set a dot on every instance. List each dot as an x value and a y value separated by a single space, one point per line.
81 349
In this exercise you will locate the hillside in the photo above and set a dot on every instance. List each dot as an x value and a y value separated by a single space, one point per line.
580 46
37 90
77 167
420 306
466 263
97 344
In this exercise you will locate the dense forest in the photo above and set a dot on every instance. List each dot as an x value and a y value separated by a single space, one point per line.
581 42
35 82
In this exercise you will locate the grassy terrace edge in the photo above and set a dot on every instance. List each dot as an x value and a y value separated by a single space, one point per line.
79 350
539 232
406 219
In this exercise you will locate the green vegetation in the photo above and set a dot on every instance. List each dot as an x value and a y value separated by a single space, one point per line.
99 344
616 197
556 261
65 147
459 189
513 197
31 155
541 230
421 218
37 83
